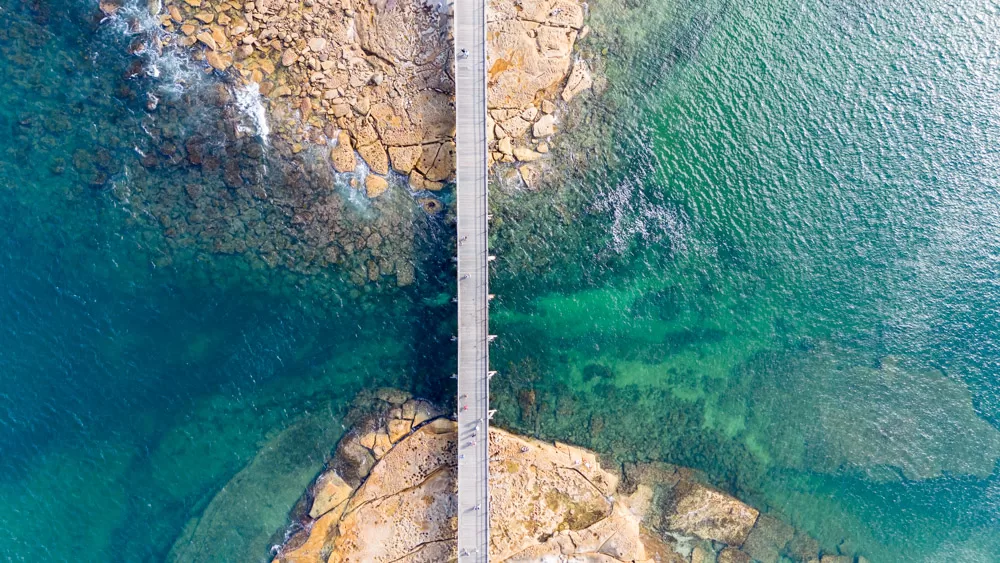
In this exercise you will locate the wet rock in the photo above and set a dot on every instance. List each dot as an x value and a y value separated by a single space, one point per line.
579 80
207 39
352 461
193 146
404 274
697 510
231 175
701 555
375 186
342 154
767 539
218 61
193 191
531 174
109 7
430 205
733 555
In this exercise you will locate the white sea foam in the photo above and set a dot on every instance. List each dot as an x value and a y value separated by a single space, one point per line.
251 104
637 218
174 70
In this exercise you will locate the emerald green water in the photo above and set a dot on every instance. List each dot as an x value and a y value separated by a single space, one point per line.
784 273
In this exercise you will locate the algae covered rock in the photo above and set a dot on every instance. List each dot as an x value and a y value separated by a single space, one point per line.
254 502
709 514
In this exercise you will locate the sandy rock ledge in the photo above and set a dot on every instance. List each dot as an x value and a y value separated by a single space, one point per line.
375 78
389 495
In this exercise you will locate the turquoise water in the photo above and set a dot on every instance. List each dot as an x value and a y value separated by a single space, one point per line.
784 272
776 262
139 374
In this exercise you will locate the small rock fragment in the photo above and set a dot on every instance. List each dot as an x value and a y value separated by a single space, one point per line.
317 44
218 61
207 39
504 146
525 154
375 186
545 126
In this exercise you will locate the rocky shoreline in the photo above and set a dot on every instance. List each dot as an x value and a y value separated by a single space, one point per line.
388 494
374 82
357 152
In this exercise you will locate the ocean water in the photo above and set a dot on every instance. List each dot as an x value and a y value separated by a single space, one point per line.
141 371
774 259
783 271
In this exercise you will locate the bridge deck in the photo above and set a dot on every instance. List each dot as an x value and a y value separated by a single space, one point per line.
473 282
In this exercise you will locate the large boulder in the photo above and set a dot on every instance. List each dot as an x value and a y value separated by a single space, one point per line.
697 510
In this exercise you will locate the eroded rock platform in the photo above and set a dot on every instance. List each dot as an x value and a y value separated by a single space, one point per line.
388 495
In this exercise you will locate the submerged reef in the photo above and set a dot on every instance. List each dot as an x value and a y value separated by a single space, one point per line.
887 423
388 494
324 133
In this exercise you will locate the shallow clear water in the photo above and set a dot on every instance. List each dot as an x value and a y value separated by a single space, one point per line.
779 267
786 273
139 376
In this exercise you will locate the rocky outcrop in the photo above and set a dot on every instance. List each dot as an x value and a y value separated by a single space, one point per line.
389 495
529 60
376 78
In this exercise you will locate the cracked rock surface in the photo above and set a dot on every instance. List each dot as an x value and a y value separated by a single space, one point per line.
376 78
389 495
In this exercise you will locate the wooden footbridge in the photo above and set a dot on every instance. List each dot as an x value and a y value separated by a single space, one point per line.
473 282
